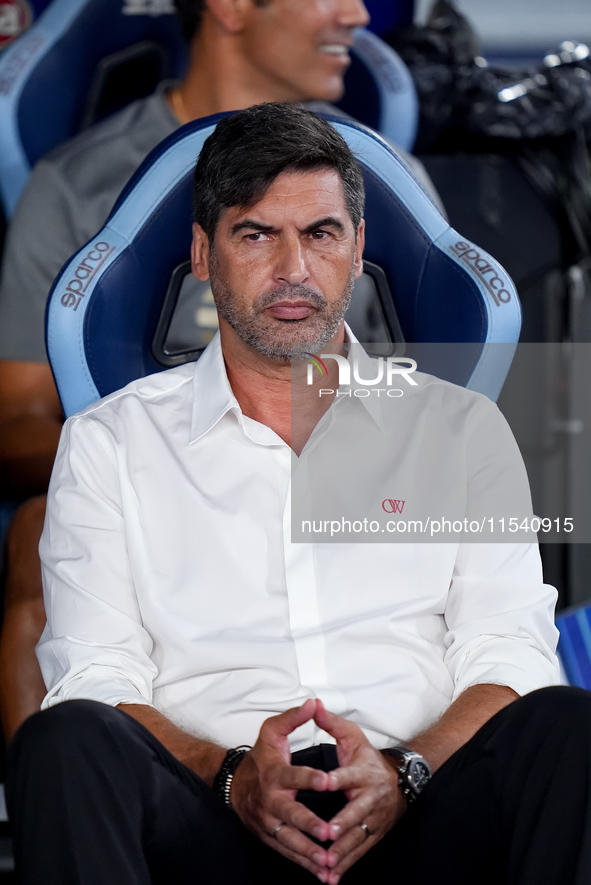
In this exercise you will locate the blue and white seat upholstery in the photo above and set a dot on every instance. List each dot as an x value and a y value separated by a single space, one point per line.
84 59
574 647
80 61
380 92
106 305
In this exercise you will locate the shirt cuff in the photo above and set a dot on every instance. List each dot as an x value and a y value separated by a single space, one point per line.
504 661
112 691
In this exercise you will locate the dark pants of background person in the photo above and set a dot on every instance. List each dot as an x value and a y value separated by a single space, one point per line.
95 799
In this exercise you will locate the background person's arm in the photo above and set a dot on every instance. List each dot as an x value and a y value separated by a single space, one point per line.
21 684
30 424
50 224
43 234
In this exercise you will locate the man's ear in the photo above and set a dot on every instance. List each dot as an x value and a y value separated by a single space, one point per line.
359 249
200 253
232 15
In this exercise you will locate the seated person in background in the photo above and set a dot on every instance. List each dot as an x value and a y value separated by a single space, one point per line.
241 54
182 619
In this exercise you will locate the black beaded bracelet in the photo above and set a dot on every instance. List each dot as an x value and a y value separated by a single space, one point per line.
223 780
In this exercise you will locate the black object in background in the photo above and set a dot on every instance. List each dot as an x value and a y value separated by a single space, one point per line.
536 117
507 150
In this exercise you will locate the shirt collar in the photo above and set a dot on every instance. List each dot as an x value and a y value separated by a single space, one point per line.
212 394
213 397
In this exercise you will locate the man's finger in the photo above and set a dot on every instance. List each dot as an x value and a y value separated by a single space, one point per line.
353 845
356 837
335 725
301 777
354 813
284 723
348 777
349 858
293 844
297 816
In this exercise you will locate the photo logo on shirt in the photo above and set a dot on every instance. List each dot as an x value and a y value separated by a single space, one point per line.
15 18
388 370
148 7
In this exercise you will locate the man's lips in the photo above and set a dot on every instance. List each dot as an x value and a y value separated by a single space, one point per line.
291 310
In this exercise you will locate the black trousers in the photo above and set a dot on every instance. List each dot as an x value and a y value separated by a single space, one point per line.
95 799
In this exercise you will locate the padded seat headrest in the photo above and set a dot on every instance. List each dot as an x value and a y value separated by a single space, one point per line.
105 305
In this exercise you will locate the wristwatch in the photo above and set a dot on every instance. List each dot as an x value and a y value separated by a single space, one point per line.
414 772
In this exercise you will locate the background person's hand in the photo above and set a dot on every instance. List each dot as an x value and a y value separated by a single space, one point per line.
370 784
264 793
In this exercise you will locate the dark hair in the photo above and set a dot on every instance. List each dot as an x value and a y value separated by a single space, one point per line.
248 150
189 13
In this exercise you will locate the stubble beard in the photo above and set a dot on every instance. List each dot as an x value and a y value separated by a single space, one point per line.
280 340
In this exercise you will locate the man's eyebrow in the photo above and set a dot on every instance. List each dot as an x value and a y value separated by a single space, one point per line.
329 221
249 224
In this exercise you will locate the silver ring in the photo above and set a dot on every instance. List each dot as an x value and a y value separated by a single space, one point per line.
365 829
276 829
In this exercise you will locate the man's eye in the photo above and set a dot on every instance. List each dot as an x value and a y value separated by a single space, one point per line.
320 234
256 237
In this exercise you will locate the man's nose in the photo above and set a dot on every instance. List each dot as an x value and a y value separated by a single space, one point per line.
291 263
353 14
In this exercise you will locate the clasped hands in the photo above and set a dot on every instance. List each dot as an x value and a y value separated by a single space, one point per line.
265 786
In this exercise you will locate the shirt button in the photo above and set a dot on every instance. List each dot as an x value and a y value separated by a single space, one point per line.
286 451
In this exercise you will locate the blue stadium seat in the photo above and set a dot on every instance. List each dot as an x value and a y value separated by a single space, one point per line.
106 305
380 92
84 59
574 647
386 15
80 61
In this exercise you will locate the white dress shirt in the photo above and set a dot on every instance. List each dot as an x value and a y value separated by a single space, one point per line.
171 577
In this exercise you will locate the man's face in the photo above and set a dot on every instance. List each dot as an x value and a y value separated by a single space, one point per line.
302 45
282 271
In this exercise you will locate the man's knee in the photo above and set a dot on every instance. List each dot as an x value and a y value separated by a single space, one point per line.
558 712
563 702
63 729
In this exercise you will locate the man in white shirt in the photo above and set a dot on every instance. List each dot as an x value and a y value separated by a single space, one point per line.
183 619
242 53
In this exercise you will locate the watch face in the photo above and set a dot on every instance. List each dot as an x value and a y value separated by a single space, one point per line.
419 774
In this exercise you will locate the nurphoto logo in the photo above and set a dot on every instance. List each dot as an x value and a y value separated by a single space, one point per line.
388 370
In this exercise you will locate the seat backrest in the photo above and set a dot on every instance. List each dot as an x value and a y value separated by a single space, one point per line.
106 305
85 59
394 13
80 61
380 92
574 647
